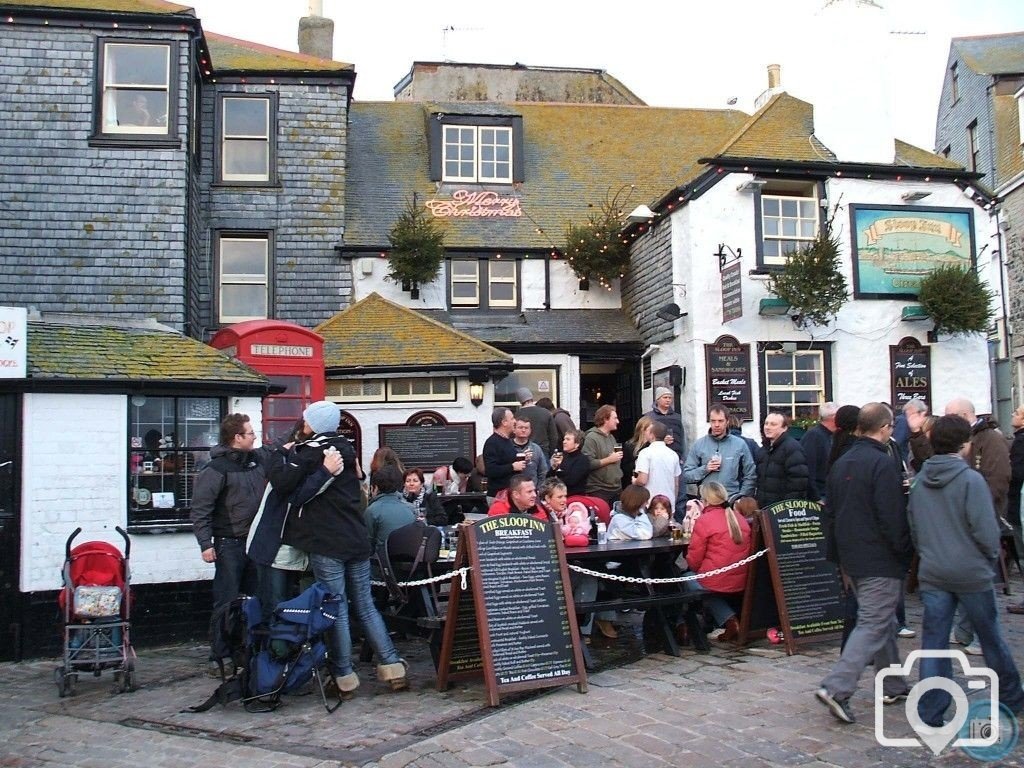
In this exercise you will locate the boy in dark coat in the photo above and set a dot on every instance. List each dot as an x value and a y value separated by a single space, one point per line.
781 467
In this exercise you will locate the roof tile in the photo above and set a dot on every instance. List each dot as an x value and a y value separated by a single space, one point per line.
992 54
783 129
115 6
1006 120
229 54
915 157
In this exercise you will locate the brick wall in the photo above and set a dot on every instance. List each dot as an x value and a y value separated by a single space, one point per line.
305 212
86 229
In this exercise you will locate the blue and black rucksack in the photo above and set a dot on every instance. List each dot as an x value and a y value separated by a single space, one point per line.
273 659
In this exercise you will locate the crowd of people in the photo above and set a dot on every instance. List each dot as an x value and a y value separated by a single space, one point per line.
903 495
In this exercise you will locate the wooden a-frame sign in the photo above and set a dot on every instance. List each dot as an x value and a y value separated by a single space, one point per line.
514 622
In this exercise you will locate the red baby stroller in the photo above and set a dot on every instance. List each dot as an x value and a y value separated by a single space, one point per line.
96 605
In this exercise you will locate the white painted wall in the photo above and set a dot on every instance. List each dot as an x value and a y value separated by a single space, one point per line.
369 274
863 330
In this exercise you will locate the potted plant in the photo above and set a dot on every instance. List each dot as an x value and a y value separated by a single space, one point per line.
596 249
417 248
811 281
956 300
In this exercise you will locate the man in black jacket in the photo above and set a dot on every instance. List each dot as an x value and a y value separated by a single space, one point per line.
817 445
868 537
781 465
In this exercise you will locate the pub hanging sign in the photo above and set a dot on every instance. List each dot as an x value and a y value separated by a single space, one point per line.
728 376
911 371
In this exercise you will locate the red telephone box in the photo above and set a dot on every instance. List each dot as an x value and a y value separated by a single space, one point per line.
290 356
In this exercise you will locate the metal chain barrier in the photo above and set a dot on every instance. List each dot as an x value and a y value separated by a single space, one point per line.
460 572
671 580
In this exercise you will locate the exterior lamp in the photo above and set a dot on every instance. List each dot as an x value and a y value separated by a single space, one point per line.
476 394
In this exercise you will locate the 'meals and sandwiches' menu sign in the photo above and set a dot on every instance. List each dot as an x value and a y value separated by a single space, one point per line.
728 376
911 371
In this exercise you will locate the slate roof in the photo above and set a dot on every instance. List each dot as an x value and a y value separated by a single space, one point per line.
1006 122
915 157
992 54
114 6
783 129
575 156
87 349
228 54
557 327
375 333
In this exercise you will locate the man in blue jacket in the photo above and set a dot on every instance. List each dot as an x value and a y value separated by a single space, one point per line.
867 535
957 538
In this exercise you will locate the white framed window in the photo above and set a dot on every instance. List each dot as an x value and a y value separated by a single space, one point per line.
477 154
245 138
420 389
355 390
243 269
542 382
795 382
789 221
465 279
501 283
135 88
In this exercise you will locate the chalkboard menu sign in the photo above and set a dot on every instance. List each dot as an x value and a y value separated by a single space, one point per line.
427 440
525 629
805 587
911 369
728 374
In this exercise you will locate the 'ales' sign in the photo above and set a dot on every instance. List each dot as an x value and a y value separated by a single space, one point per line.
911 370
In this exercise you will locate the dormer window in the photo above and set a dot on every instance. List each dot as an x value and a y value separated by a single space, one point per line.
476 149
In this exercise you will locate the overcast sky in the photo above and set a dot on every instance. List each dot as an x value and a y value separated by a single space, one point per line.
674 53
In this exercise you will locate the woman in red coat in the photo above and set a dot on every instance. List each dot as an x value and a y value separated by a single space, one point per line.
720 537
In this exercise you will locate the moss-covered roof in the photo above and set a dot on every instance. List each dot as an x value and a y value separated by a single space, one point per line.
783 129
575 156
376 333
114 6
915 157
992 54
1006 120
88 351
228 54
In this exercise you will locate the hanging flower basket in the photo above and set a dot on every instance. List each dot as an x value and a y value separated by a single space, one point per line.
957 300
597 249
811 282
417 247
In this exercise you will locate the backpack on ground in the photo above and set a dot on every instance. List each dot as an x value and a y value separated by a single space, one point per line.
270 660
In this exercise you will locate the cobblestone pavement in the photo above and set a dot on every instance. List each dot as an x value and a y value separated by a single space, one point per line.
732 708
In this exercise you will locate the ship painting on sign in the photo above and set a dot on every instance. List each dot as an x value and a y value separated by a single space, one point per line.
920 263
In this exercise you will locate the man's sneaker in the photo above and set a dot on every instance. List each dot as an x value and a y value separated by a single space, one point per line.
906 632
974 649
954 640
895 698
840 709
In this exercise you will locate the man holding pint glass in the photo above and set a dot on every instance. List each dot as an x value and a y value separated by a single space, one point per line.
605 453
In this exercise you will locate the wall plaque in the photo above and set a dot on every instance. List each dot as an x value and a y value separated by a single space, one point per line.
428 440
732 293
728 376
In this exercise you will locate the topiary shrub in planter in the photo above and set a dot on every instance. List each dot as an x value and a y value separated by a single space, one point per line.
956 300
811 282
417 247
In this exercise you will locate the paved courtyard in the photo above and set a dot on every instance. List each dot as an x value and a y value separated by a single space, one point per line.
732 708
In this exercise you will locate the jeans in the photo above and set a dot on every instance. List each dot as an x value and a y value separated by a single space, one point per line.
234 573
715 604
980 608
350 580
276 586
872 640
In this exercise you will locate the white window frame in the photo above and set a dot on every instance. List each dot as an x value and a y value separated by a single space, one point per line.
799 239
460 136
111 88
525 376
370 390
434 384
464 279
973 151
793 387
226 280
263 138
493 280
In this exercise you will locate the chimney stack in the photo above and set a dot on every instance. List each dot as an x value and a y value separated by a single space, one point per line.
316 34
774 76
